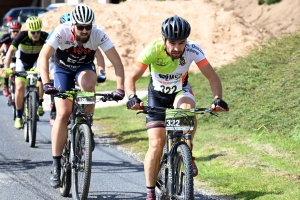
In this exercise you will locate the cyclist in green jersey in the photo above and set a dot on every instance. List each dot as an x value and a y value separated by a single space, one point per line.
27 46
169 60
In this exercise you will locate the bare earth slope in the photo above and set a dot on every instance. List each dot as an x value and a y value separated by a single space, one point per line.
223 28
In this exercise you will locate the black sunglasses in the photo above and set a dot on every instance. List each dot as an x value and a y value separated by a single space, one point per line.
15 31
80 27
35 32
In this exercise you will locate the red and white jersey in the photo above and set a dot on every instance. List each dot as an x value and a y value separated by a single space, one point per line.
68 54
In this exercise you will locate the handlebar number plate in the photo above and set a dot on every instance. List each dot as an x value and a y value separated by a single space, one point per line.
179 124
86 98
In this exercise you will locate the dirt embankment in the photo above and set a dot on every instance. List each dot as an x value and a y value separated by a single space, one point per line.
223 28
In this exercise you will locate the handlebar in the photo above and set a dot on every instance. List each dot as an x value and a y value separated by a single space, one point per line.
65 94
153 110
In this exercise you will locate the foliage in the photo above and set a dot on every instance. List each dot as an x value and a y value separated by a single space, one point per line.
260 2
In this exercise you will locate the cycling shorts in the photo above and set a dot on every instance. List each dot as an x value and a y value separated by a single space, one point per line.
160 99
64 79
22 66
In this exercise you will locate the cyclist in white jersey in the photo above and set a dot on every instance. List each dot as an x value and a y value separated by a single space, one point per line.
169 60
100 66
75 44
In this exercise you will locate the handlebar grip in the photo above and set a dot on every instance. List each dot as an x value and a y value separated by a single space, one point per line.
215 110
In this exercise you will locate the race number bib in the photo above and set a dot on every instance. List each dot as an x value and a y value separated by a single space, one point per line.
168 87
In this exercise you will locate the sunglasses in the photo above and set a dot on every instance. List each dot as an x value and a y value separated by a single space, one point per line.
15 31
35 32
80 27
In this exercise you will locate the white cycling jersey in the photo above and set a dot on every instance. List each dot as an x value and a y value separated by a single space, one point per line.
68 54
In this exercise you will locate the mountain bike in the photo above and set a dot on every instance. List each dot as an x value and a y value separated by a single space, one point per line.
175 177
30 104
11 88
76 161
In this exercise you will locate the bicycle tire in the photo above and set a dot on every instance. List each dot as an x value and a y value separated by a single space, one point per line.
32 122
65 176
183 173
12 100
25 122
161 187
81 173
14 111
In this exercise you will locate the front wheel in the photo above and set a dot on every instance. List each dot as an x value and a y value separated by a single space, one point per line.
183 173
65 176
25 121
82 157
32 121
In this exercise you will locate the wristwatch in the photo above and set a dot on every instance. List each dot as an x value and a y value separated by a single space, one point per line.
131 96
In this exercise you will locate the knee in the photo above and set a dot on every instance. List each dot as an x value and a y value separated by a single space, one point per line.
156 146
63 117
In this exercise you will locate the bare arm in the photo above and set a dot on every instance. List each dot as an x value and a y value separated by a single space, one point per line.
115 59
43 62
8 57
131 78
100 60
214 80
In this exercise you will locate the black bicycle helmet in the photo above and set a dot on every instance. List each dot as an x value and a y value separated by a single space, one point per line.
175 28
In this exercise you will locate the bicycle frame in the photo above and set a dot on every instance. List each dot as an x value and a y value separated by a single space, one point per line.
76 129
179 124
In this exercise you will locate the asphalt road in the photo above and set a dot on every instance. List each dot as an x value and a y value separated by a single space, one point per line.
24 171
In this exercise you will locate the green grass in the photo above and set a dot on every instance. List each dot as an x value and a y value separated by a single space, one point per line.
251 152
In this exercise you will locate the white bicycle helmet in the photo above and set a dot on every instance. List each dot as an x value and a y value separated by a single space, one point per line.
82 14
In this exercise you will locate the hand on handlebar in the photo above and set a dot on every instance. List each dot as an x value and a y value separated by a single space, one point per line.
134 103
219 105
118 94
49 88
8 71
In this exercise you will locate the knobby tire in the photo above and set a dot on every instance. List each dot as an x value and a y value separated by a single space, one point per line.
65 177
183 177
25 122
32 123
81 174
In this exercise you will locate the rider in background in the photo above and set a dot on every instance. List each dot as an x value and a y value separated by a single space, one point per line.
5 41
27 46
100 68
75 44
169 60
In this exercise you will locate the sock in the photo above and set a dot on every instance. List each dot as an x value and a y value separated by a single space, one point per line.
56 161
151 192
41 102
19 113
6 81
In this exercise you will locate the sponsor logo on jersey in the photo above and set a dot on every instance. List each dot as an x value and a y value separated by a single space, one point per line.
58 37
182 61
169 77
161 62
70 43
195 49
104 38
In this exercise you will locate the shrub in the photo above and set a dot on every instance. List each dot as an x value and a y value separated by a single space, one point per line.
260 2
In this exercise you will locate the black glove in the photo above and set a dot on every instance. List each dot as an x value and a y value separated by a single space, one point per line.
132 101
119 94
221 103
49 88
